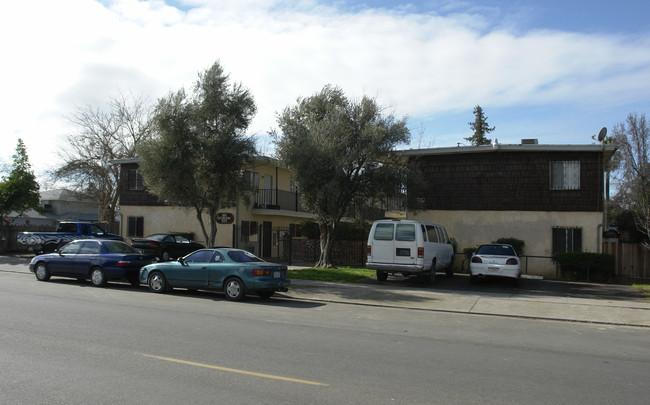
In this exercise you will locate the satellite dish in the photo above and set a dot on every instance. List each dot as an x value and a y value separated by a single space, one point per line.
602 134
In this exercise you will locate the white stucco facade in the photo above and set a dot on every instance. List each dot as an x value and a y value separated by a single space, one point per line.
472 228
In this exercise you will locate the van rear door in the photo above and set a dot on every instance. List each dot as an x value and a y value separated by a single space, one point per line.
382 243
406 247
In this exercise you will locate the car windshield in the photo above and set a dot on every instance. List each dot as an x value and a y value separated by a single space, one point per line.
118 247
243 256
497 250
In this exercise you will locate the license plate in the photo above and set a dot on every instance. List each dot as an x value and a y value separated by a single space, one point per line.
277 274
494 269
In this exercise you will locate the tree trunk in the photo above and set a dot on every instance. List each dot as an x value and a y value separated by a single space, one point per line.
326 244
199 217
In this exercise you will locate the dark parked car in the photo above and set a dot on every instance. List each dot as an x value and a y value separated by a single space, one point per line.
166 246
234 271
97 260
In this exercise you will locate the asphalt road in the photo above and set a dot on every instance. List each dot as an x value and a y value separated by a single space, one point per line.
66 342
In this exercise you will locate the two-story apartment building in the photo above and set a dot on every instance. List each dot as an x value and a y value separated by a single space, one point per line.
549 196
274 205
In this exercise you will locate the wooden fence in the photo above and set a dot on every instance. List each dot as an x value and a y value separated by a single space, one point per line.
632 259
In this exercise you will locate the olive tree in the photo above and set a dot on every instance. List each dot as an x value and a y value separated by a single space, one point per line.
337 151
199 149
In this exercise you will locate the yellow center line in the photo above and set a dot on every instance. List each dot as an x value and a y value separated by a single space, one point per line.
232 370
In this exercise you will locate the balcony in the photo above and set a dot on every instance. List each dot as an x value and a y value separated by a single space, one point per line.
272 199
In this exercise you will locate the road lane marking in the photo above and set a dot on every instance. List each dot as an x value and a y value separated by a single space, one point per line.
233 370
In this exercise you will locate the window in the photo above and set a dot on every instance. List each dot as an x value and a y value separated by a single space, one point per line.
201 256
135 180
564 175
135 226
567 239
96 230
384 232
248 229
433 235
405 232
90 248
253 178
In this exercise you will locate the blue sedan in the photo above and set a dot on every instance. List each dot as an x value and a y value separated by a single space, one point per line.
234 271
94 259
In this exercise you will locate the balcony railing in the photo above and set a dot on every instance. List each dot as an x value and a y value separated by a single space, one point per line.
273 199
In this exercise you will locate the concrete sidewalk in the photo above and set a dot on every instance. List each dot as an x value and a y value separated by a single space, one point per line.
521 304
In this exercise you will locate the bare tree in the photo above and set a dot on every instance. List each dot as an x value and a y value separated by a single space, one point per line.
633 171
103 134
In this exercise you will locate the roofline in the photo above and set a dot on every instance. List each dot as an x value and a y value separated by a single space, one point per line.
607 149
508 148
138 160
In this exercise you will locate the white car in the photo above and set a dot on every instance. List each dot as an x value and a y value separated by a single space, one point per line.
495 260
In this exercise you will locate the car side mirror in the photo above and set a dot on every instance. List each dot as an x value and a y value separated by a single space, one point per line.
181 261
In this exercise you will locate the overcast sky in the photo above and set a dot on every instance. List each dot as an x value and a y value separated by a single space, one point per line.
548 69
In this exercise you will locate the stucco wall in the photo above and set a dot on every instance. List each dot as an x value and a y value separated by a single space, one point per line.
173 219
472 228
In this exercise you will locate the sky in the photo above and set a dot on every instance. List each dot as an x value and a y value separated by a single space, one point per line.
553 70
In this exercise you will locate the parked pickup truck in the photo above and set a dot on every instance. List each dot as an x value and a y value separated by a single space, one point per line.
65 232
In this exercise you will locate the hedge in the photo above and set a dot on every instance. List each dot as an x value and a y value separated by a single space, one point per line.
585 265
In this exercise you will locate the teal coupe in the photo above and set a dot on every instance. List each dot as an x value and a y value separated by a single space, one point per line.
234 271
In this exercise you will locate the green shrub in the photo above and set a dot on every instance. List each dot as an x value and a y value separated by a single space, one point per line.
468 250
517 244
585 266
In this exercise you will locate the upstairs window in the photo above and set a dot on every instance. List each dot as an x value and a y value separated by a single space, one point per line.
135 180
564 175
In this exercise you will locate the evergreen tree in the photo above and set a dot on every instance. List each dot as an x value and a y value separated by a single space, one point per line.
18 192
480 128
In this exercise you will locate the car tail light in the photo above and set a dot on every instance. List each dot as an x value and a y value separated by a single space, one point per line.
123 263
368 250
262 272
154 244
511 261
476 259
420 252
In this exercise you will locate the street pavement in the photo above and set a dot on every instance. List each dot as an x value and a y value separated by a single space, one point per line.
611 304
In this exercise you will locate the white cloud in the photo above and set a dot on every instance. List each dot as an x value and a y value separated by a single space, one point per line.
66 54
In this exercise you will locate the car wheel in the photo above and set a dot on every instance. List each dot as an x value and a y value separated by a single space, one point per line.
432 273
382 275
165 256
157 282
97 277
265 294
41 272
234 289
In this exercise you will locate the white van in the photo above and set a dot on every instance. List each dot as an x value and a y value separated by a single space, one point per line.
409 247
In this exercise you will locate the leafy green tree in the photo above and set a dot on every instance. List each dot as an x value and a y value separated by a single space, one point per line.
339 151
102 135
480 128
18 192
199 150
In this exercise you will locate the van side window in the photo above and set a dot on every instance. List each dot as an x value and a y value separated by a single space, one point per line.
384 232
433 236
445 237
424 233
405 232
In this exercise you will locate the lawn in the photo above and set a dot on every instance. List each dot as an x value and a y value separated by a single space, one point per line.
341 274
